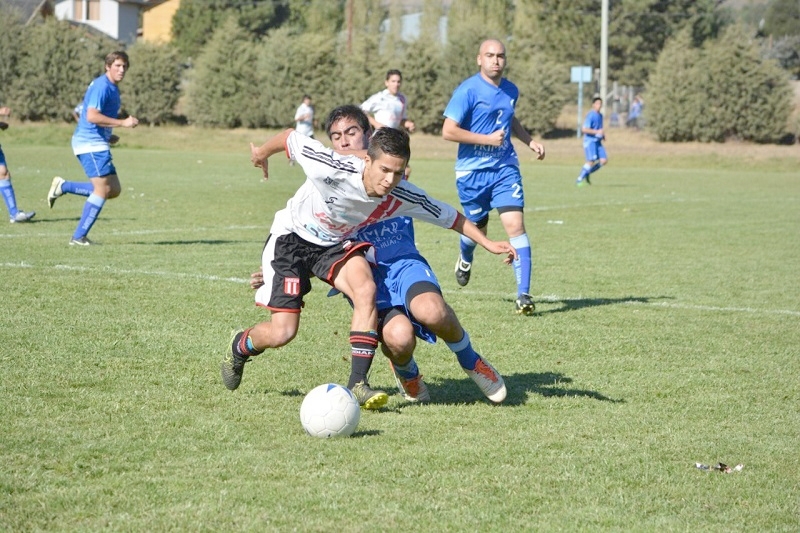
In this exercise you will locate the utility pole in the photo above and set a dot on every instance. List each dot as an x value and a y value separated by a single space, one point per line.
604 55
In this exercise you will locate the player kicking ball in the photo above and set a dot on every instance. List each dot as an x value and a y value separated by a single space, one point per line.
311 236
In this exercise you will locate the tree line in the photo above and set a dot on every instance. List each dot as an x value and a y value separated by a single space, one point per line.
248 64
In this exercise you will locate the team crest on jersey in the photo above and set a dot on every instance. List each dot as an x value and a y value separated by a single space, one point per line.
332 183
291 286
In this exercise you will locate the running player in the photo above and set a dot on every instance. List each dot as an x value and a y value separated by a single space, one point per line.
480 118
593 136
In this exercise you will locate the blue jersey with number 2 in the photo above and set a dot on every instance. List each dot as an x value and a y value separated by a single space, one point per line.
480 107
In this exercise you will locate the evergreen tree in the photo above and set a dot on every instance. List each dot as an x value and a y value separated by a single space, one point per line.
223 86
56 64
290 66
425 80
318 17
469 23
11 27
152 86
639 29
544 89
746 97
358 65
195 21
721 91
674 97
782 18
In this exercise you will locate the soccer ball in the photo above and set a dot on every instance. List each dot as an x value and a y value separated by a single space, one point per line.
330 410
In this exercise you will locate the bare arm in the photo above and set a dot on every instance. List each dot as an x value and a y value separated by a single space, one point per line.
96 117
453 132
274 145
463 226
522 134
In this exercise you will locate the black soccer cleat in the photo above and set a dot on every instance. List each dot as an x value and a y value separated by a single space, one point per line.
463 270
524 305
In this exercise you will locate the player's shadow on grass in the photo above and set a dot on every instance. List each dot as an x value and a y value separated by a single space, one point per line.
575 304
519 386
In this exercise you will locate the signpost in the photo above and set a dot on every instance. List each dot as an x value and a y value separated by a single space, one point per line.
580 75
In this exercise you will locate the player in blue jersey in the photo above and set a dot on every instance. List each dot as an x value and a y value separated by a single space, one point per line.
15 214
91 144
593 137
409 299
480 118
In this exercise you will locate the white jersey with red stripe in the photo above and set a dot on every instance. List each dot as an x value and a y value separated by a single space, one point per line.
333 204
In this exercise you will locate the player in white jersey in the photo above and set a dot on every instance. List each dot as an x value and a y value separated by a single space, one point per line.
389 108
304 117
310 237
409 300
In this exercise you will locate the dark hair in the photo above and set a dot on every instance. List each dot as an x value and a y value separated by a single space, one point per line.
113 56
596 98
306 96
389 141
393 72
347 111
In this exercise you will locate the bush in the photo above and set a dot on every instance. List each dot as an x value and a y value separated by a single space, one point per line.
290 66
223 86
56 63
11 25
722 91
544 89
152 86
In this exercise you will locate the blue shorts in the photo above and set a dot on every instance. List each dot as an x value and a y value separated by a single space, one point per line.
594 151
97 164
394 282
480 191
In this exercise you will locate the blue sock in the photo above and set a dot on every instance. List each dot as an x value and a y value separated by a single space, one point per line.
8 195
81 188
467 357
522 266
91 210
585 171
467 249
595 168
407 371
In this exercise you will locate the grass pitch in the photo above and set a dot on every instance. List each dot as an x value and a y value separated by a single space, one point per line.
666 333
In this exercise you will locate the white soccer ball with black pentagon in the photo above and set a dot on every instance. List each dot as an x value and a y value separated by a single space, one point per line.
330 410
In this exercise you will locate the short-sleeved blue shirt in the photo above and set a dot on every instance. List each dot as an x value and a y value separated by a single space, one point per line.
481 107
594 121
102 95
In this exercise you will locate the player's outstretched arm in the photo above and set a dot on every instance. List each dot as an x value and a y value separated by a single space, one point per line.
468 229
274 145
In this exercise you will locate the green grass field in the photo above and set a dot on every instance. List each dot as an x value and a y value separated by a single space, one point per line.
667 333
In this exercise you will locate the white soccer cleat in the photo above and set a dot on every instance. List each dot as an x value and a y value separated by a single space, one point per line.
488 380
412 390
55 190
22 216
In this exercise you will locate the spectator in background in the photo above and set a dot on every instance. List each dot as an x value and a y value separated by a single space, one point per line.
635 112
